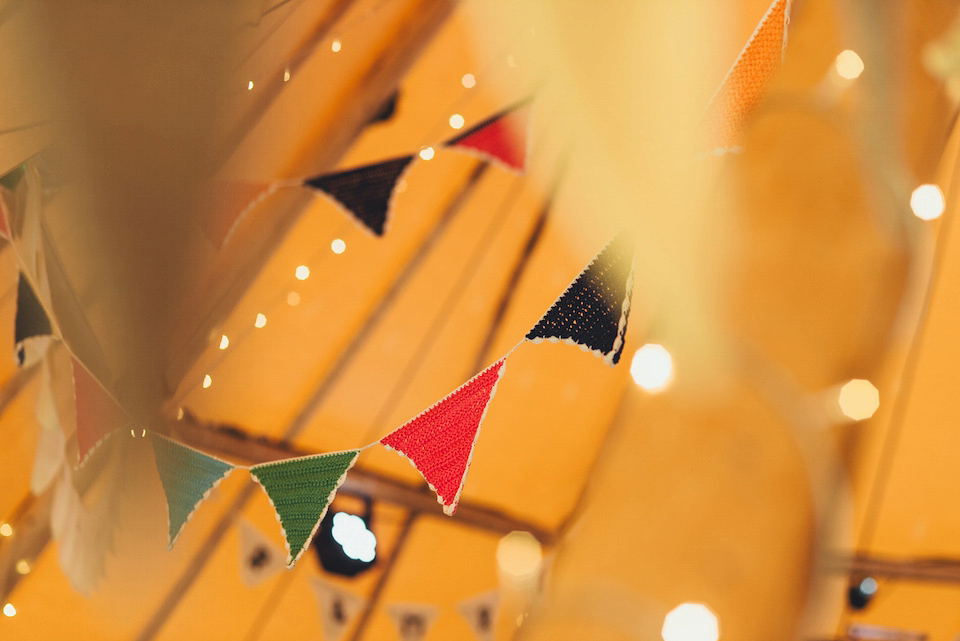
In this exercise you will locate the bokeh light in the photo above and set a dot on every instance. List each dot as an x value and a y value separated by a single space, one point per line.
927 202
519 554
859 399
690 622
652 367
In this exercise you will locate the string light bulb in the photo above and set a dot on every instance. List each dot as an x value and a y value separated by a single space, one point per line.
337 246
224 341
293 299
23 567
519 555
9 610
207 382
456 121
426 153
858 399
260 322
690 622
468 80
286 75
652 367
335 45
848 64
250 85
927 202
6 529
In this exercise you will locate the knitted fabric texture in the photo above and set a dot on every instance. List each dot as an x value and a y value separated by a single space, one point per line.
227 203
439 442
593 311
365 191
300 490
502 137
97 414
31 320
741 90
187 476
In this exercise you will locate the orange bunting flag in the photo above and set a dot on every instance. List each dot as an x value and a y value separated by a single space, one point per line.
740 92
227 203
502 137
98 415
439 442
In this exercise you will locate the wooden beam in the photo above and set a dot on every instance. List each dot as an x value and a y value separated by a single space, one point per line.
920 569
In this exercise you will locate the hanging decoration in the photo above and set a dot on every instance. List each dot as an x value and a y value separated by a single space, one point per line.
439 442
338 608
188 477
31 320
98 415
480 613
364 192
300 490
502 137
742 88
413 620
260 559
594 309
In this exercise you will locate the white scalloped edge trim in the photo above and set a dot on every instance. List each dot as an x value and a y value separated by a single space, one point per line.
291 560
173 541
606 357
450 508
494 160
82 461
390 200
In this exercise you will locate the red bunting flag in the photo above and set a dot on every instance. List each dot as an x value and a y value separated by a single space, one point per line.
740 92
439 442
502 137
227 203
98 415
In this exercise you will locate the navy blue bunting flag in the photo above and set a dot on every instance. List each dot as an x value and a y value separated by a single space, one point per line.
31 319
593 311
364 191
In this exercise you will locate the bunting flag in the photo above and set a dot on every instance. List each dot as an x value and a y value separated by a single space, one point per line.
338 608
741 90
594 309
31 319
439 441
98 415
300 490
259 557
188 477
502 137
365 192
413 620
480 613
227 203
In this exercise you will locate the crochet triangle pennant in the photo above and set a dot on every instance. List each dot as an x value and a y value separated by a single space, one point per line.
300 490
742 88
31 319
439 442
502 137
365 192
98 415
188 476
227 202
594 309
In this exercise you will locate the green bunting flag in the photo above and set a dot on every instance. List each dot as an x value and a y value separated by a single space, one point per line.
188 476
300 489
